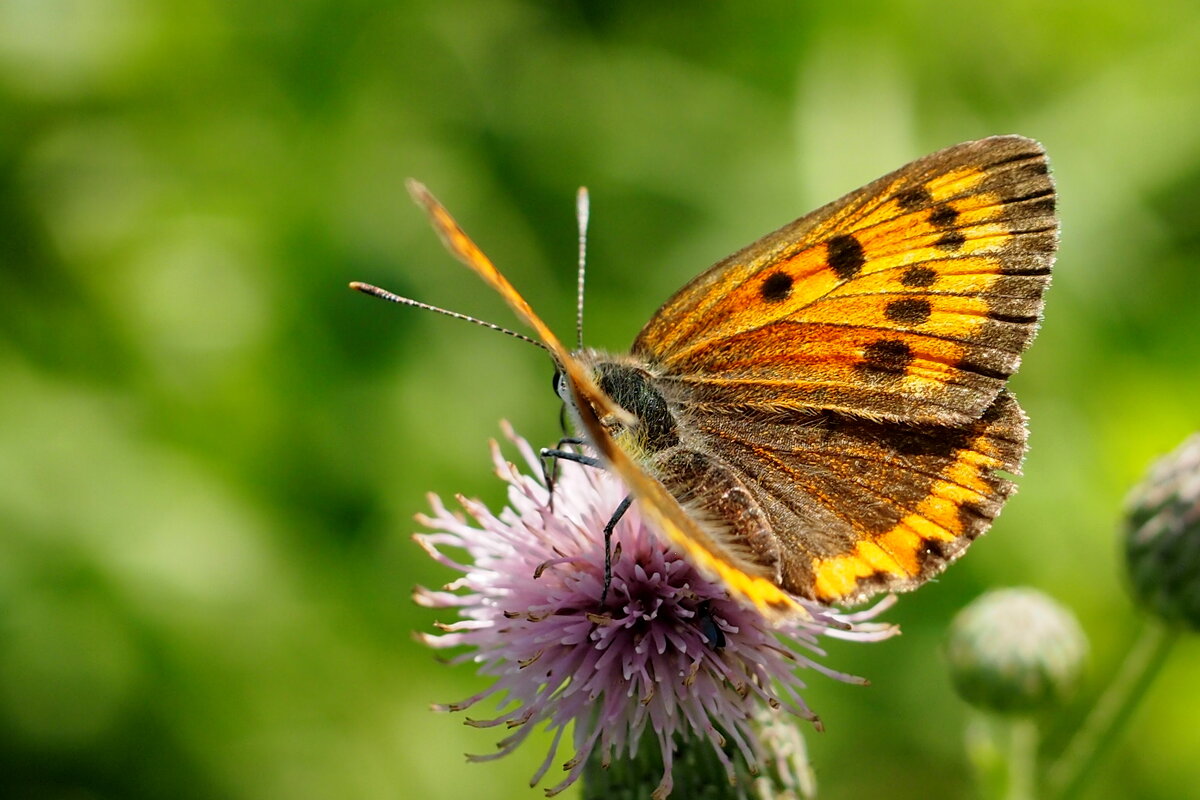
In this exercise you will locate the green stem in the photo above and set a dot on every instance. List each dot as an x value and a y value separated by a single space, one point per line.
1022 758
1111 711
984 756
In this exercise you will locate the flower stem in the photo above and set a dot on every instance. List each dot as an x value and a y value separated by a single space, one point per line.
984 756
1022 758
1068 775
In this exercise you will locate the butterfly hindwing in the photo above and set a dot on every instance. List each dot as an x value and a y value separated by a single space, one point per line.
910 299
860 506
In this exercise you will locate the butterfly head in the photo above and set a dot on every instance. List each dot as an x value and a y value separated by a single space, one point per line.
649 424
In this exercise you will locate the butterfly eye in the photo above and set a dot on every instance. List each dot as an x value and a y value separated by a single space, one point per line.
556 382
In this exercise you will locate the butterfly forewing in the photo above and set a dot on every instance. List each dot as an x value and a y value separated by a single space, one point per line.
910 299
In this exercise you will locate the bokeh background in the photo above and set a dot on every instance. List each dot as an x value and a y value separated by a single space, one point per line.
211 450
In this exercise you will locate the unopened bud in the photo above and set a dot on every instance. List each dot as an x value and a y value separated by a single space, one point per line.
1015 651
1162 537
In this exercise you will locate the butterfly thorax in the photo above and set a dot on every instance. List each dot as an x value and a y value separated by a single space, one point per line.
632 386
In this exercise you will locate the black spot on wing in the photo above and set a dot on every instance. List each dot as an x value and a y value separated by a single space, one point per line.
932 555
920 277
951 241
908 311
983 370
914 198
777 287
1024 268
1016 319
885 359
974 519
943 216
845 256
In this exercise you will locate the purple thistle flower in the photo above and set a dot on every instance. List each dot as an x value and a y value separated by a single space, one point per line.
669 651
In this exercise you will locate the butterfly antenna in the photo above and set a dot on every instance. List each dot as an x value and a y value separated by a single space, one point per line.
582 209
384 294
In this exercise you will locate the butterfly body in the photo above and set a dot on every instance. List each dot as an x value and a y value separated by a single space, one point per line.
824 413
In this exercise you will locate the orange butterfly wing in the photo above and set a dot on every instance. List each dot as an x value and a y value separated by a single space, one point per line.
849 367
910 299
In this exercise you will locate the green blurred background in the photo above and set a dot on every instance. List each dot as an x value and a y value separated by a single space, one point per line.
211 450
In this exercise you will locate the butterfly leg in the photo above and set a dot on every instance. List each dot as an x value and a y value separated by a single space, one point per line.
608 551
550 456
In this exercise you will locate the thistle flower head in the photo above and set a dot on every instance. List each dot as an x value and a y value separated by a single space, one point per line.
1015 651
1162 537
667 655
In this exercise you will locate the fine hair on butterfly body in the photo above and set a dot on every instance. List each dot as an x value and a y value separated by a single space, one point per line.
823 414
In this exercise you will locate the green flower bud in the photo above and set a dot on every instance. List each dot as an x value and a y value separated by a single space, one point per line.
696 771
782 771
1162 537
1015 651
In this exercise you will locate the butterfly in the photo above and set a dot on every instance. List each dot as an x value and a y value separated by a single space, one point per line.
824 414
